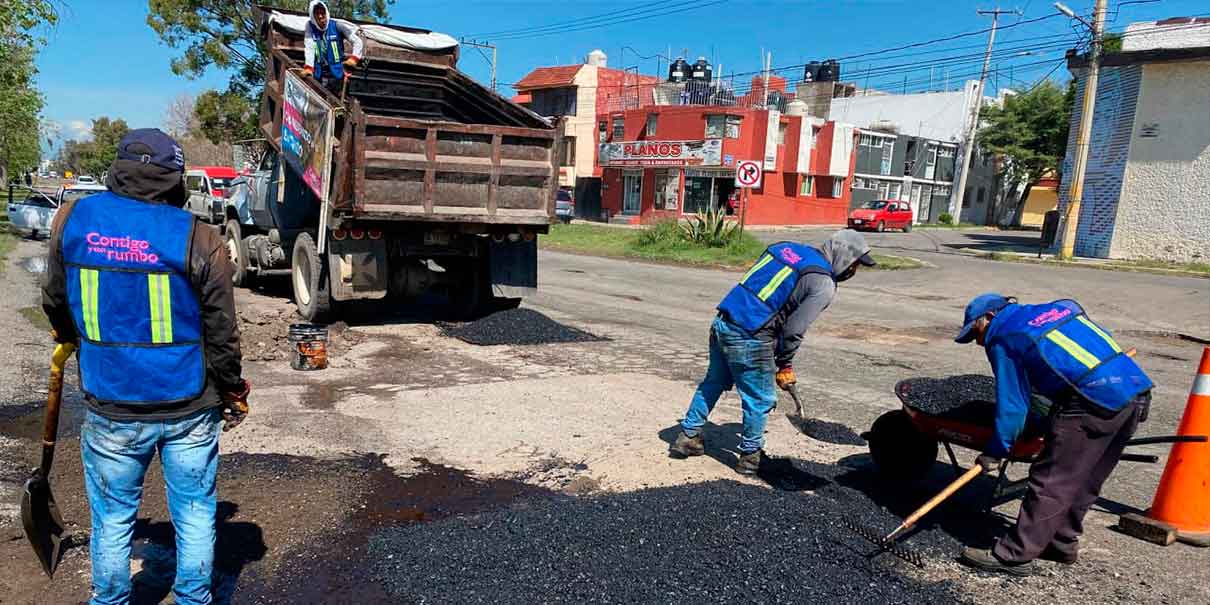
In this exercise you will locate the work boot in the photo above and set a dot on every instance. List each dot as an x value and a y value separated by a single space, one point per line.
1059 556
987 561
750 463
687 446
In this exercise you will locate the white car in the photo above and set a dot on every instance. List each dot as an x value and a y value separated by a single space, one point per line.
84 179
30 212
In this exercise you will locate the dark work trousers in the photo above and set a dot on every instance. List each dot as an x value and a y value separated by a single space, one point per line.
1082 449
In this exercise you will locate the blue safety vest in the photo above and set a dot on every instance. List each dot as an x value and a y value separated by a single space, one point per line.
766 287
329 48
1078 350
134 305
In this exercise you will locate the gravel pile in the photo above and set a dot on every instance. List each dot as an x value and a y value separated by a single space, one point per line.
966 398
829 432
714 542
516 327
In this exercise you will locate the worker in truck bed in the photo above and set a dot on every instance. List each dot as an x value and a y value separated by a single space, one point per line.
759 327
324 47
145 289
1098 397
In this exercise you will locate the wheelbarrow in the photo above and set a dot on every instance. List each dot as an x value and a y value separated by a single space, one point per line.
957 411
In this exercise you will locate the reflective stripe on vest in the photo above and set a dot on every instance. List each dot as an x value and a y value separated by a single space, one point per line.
757 267
1080 353
89 279
159 294
771 287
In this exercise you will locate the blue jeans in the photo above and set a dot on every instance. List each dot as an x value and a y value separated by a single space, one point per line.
746 363
116 456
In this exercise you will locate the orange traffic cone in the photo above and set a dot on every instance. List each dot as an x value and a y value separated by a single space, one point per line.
1182 501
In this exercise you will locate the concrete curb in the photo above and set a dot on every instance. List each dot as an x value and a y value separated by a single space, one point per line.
1101 264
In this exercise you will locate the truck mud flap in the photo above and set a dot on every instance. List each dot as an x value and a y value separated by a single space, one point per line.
514 268
358 269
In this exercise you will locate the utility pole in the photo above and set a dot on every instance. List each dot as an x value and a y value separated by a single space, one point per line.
482 45
977 105
1071 219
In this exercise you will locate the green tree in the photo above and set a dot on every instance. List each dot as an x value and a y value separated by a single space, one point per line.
20 101
1030 132
224 34
94 157
225 117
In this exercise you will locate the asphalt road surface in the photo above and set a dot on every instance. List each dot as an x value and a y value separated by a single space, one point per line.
339 480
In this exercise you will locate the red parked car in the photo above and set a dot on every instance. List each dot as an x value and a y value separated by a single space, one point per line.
881 215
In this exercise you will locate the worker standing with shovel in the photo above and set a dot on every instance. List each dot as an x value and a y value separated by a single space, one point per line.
1099 396
146 291
759 328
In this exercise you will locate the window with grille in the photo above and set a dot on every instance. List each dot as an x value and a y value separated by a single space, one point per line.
807 187
619 128
653 121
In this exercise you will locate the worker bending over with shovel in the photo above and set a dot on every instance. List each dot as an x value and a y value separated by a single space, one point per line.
1098 397
759 327
146 291
324 48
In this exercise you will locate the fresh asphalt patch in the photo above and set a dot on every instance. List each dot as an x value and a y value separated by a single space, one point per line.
517 327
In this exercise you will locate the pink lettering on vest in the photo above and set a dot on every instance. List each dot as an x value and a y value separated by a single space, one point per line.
790 256
124 249
1050 316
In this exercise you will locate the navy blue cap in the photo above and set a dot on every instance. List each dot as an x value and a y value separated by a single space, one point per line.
980 306
152 146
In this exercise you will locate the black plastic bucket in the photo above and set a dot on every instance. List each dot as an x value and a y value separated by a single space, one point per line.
310 344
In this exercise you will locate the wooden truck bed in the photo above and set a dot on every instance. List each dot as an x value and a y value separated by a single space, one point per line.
419 140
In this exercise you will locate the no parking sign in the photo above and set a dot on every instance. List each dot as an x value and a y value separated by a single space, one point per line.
747 174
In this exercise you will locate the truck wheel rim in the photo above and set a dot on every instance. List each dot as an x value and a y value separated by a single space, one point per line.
233 252
302 281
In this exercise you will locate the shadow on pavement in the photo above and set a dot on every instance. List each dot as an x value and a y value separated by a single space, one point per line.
962 517
722 444
1003 241
236 545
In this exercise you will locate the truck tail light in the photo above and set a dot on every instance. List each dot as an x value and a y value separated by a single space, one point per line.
339 234
375 234
357 233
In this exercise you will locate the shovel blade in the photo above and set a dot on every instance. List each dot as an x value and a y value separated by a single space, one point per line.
43 524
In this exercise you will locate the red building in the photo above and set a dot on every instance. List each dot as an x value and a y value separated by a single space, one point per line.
668 161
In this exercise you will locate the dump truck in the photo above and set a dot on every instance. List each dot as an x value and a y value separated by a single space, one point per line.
413 179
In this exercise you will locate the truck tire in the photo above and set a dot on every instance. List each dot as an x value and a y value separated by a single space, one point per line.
237 251
309 274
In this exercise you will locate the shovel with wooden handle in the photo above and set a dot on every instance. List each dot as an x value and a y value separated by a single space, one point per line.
39 513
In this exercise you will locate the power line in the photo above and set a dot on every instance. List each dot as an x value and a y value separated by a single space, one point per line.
661 11
578 21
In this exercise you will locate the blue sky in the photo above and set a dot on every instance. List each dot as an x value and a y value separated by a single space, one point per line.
104 60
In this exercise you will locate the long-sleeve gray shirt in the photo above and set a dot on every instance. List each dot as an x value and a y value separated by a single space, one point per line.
813 293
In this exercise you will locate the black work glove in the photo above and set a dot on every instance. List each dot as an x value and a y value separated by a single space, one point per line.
235 405
989 462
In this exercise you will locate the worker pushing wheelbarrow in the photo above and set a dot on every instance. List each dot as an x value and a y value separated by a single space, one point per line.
1067 401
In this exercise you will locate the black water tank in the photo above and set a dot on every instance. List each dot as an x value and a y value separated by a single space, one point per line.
811 73
702 70
678 71
829 71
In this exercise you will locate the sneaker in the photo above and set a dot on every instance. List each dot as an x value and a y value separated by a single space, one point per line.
750 463
1059 556
687 446
986 561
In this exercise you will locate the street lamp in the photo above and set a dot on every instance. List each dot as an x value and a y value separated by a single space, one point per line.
1076 192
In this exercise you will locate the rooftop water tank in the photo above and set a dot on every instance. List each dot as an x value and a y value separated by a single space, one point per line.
702 70
678 71
598 58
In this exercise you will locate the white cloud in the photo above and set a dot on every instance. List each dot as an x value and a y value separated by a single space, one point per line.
79 130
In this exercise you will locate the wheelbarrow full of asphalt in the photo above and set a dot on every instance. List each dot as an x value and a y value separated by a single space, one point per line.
958 411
